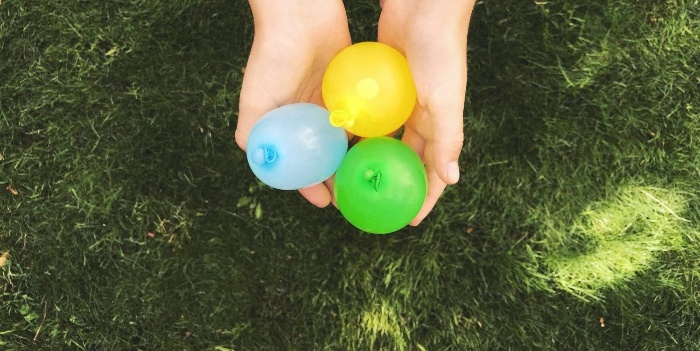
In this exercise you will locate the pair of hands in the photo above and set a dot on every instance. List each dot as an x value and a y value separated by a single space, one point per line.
296 39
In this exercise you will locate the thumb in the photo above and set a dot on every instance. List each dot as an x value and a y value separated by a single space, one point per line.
444 154
443 148
262 90
253 104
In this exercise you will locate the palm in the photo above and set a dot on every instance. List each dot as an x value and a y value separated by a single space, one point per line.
434 129
287 67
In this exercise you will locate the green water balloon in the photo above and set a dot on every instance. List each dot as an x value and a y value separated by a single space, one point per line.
380 185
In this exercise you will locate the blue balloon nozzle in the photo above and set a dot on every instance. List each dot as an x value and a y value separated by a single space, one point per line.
263 155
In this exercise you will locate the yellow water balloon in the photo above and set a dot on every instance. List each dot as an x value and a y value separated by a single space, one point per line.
368 89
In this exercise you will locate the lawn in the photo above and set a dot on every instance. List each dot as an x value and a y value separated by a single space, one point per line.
131 221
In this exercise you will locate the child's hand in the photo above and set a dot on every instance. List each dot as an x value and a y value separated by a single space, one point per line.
433 36
294 42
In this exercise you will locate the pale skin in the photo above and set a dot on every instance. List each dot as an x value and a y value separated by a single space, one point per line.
296 39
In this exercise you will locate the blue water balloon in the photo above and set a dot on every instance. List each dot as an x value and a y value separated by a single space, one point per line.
295 146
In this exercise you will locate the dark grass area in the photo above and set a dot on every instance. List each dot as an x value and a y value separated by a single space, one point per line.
136 224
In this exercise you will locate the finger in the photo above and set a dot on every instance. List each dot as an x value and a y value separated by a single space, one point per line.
414 141
318 195
330 184
435 188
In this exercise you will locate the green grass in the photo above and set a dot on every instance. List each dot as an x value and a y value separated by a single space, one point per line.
138 225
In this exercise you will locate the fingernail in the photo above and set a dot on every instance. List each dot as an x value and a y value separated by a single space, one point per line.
453 172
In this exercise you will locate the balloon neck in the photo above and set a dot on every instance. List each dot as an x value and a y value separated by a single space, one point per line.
264 155
368 88
374 177
341 118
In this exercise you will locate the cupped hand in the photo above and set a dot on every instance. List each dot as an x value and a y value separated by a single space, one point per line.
432 34
294 42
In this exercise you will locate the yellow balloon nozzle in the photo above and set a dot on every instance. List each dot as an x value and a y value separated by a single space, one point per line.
341 118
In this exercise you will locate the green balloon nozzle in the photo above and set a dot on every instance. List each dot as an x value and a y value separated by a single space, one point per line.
341 118
263 155
375 177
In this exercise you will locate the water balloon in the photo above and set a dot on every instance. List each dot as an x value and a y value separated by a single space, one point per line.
295 146
368 89
380 185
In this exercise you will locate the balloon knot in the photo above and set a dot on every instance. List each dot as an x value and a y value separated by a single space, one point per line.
374 177
263 155
341 118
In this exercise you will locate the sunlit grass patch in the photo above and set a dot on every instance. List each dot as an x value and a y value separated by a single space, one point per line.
616 238
383 320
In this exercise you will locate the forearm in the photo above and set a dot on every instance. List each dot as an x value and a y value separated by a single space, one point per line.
276 13
449 16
